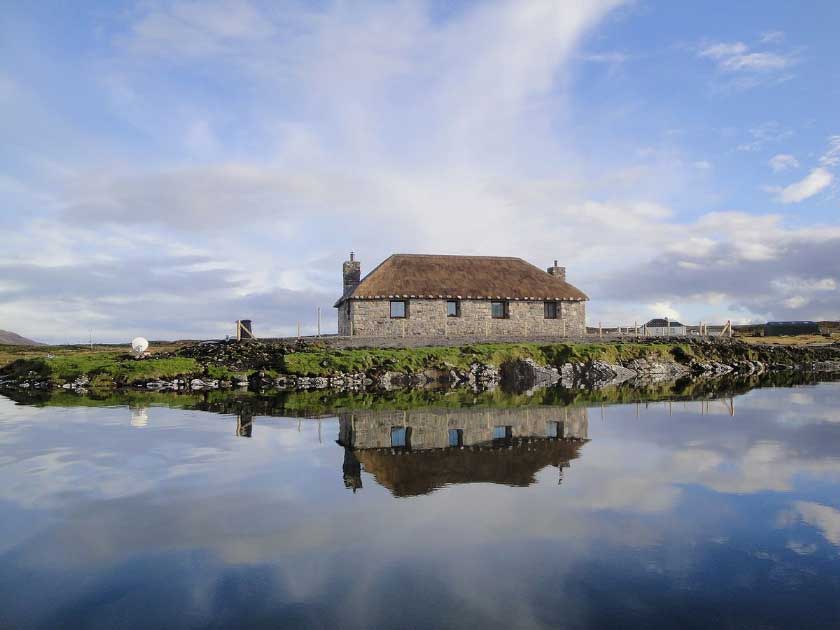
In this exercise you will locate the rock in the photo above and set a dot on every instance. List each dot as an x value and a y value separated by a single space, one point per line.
527 374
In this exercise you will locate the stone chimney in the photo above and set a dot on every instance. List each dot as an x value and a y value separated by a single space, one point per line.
351 270
557 272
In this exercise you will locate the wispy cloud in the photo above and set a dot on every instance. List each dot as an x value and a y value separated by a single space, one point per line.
746 67
815 182
818 180
782 162
832 156
823 517
772 37
766 133
605 57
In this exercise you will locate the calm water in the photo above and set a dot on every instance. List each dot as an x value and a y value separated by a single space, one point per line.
722 513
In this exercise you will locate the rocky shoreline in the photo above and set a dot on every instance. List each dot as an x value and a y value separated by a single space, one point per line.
259 367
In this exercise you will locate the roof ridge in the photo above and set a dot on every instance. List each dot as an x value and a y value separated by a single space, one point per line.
457 256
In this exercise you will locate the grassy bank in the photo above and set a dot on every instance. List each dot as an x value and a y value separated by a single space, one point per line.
103 365
110 366
325 361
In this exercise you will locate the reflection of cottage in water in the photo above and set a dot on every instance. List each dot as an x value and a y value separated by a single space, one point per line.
415 452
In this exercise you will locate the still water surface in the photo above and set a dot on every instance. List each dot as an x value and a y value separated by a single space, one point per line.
688 514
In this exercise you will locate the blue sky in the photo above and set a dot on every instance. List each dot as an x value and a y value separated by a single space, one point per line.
168 167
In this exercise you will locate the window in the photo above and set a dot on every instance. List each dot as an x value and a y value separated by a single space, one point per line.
554 429
550 310
502 432
456 437
400 437
453 308
399 310
499 310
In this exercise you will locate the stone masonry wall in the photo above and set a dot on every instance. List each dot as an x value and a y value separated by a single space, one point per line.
430 427
427 318
344 319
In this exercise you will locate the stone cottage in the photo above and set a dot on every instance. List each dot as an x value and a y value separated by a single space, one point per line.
413 295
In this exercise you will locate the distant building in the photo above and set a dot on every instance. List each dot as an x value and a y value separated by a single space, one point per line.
774 329
447 296
665 328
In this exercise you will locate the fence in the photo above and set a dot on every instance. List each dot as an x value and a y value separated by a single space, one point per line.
701 330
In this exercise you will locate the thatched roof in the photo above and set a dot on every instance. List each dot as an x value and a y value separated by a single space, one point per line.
461 277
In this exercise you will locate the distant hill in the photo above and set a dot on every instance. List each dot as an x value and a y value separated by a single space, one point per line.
14 339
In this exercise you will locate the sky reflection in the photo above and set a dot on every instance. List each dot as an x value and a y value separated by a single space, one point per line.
664 516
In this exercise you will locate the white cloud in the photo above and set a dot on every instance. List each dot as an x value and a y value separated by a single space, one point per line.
788 283
663 309
605 57
797 301
723 51
194 29
772 37
815 182
759 268
767 133
755 61
800 548
783 161
268 142
823 517
747 67
832 156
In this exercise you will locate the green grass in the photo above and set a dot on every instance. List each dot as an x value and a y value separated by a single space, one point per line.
103 368
322 362
221 373
109 366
